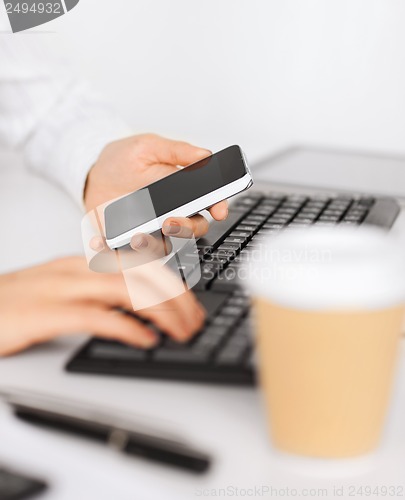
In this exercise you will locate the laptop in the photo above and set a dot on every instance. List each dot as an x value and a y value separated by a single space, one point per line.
292 189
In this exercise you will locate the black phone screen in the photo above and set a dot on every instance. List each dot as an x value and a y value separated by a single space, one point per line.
174 191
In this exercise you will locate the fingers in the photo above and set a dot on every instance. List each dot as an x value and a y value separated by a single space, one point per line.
180 317
156 294
183 227
144 248
178 152
76 283
111 324
219 211
86 301
155 246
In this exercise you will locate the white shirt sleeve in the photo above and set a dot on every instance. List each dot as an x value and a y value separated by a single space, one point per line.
58 122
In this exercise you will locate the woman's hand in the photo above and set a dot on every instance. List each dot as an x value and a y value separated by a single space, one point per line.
130 164
63 296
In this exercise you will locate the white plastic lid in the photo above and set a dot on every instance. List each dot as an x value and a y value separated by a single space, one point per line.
329 268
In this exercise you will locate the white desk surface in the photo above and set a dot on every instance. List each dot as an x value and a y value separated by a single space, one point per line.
40 223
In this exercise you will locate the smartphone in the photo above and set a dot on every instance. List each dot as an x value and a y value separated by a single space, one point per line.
182 194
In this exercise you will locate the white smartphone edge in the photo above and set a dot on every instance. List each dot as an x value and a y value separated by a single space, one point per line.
188 209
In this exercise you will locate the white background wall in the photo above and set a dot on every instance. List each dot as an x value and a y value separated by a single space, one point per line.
262 73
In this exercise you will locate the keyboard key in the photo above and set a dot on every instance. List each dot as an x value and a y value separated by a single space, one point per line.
212 302
240 292
182 355
305 217
319 198
203 251
245 332
255 219
329 218
293 205
264 210
313 205
253 222
268 205
211 338
241 341
231 354
266 233
341 204
221 253
240 261
333 211
255 244
260 237
252 361
219 231
208 272
211 268
275 196
173 345
235 311
218 258
240 234
117 351
297 198
238 301
358 209
353 218
300 223
273 225
286 211
341 199
226 285
324 223
347 223
366 201
235 240
247 228
226 321
278 220
232 247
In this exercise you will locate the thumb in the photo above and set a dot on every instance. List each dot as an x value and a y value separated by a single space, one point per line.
180 153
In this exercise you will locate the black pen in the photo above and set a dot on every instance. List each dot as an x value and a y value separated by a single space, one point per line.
92 422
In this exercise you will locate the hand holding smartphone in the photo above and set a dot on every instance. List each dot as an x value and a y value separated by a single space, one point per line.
182 194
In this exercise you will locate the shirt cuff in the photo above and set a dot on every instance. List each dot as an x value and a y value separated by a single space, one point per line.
80 151
70 138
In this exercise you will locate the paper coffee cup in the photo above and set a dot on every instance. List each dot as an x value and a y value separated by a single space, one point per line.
328 304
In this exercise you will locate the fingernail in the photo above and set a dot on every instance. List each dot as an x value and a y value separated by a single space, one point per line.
172 228
183 338
139 241
96 243
149 342
183 335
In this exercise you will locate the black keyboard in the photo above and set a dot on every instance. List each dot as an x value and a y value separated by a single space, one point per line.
223 352
14 486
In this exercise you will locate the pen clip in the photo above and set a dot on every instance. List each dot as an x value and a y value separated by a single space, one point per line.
118 439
